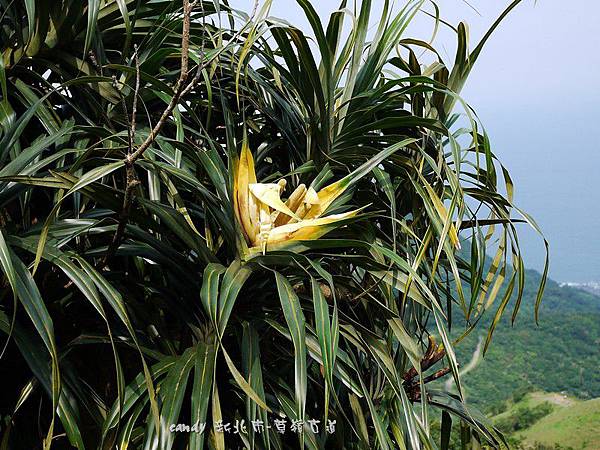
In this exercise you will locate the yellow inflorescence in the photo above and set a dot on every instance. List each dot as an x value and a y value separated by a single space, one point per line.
266 220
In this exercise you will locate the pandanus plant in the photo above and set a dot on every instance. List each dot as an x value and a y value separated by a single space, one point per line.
157 270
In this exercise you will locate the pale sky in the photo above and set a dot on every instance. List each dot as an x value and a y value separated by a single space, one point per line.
536 90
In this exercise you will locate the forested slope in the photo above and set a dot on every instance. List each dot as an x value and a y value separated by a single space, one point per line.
562 353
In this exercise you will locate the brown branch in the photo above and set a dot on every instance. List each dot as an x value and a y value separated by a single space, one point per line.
132 180
133 155
135 96
180 89
179 85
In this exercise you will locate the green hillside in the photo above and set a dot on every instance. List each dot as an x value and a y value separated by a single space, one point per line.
576 426
561 354
545 420
539 383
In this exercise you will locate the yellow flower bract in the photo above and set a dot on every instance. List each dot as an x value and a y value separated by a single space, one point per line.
267 221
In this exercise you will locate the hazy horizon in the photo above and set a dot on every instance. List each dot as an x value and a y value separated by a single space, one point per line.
535 88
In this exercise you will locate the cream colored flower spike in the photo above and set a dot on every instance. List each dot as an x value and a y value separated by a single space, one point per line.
266 220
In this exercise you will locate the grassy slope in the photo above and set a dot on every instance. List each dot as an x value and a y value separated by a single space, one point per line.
572 423
533 399
577 426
